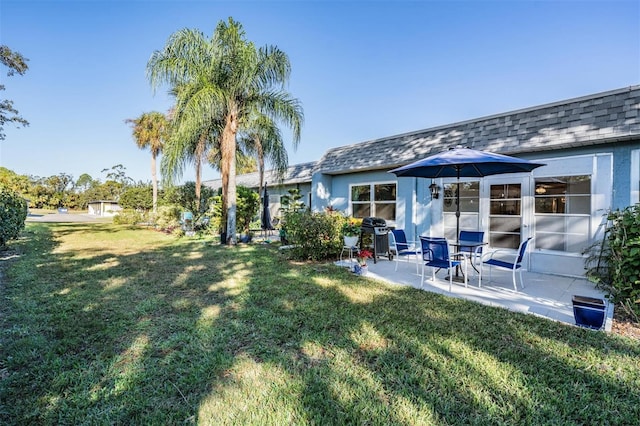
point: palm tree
(150, 130)
(188, 143)
(262, 138)
(222, 80)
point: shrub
(315, 236)
(137, 197)
(247, 207)
(616, 267)
(248, 204)
(128, 217)
(184, 196)
(13, 213)
(167, 218)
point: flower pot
(588, 311)
(360, 269)
(351, 241)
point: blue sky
(362, 69)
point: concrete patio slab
(544, 295)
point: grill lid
(373, 222)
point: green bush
(248, 204)
(137, 198)
(616, 268)
(167, 218)
(315, 236)
(128, 217)
(184, 196)
(13, 213)
(247, 207)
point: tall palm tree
(150, 130)
(222, 80)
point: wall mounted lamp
(435, 190)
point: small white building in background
(104, 208)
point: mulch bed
(624, 324)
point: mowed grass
(106, 324)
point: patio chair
(435, 253)
(474, 254)
(512, 261)
(401, 248)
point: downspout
(415, 209)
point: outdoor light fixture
(435, 190)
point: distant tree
(60, 182)
(137, 198)
(15, 63)
(151, 130)
(222, 80)
(109, 191)
(13, 181)
(84, 182)
(118, 174)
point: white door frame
(526, 202)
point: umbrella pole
(458, 205)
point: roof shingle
(589, 120)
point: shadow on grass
(189, 331)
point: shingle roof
(589, 120)
(299, 173)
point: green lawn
(105, 324)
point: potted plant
(350, 232)
(589, 312)
(361, 266)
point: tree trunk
(225, 198)
(199, 155)
(154, 182)
(228, 148)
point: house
(590, 147)
(296, 177)
(104, 208)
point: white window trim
(590, 215)
(372, 184)
(635, 176)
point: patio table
(463, 244)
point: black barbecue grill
(377, 227)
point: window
(375, 199)
(469, 197)
(505, 215)
(563, 213)
(469, 207)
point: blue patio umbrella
(464, 162)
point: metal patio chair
(436, 254)
(401, 248)
(506, 261)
